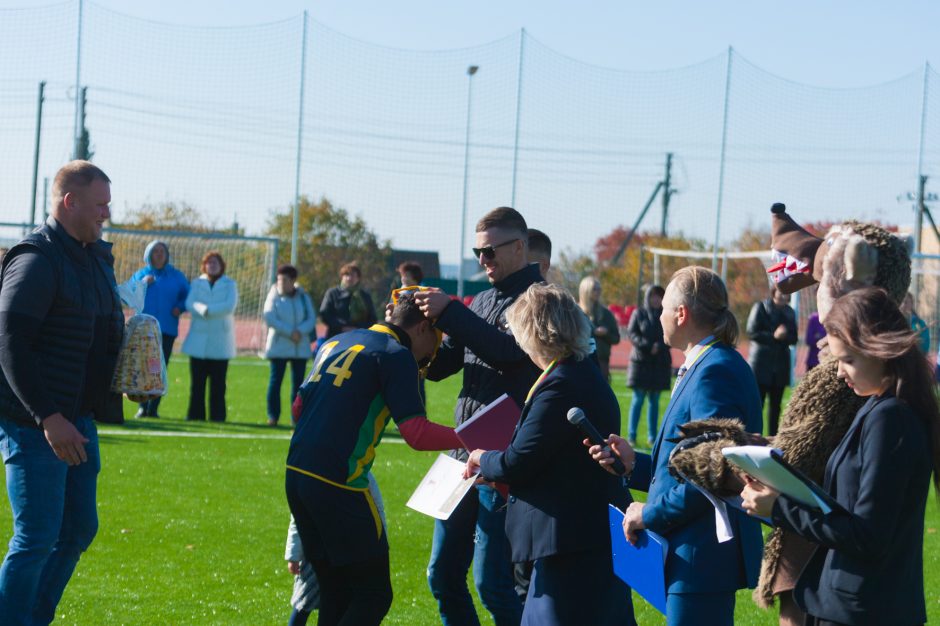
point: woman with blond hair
(557, 513)
(869, 566)
(604, 326)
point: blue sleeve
(717, 393)
(183, 291)
(139, 274)
(642, 472)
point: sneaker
(632, 442)
(272, 422)
(140, 413)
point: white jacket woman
(284, 314)
(212, 307)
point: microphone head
(576, 415)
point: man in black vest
(61, 327)
(480, 346)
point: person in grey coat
(771, 327)
(650, 370)
(290, 317)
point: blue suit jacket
(719, 384)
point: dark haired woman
(868, 568)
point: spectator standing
(815, 332)
(650, 369)
(61, 326)
(289, 316)
(478, 344)
(603, 325)
(348, 306)
(771, 327)
(210, 343)
(167, 289)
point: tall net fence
(235, 121)
(250, 262)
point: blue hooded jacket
(167, 291)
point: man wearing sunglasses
(479, 343)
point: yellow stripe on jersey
(326, 480)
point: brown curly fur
(705, 461)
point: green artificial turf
(193, 524)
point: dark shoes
(142, 412)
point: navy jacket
(558, 494)
(868, 568)
(719, 384)
(479, 343)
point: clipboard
(641, 566)
(769, 467)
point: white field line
(181, 433)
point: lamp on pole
(466, 170)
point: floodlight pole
(466, 170)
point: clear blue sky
(840, 43)
(182, 114)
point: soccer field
(193, 518)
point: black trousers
(773, 412)
(201, 370)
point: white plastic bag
(141, 370)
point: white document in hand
(442, 488)
(759, 463)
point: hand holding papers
(441, 489)
(444, 486)
(768, 466)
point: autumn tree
(328, 237)
(170, 216)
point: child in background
(306, 596)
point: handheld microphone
(577, 418)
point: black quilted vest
(68, 330)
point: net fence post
(300, 137)
(721, 163)
(515, 145)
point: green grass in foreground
(193, 527)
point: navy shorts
(336, 525)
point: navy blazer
(719, 384)
(558, 493)
(868, 568)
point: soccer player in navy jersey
(360, 380)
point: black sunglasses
(489, 252)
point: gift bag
(141, 370)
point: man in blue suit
(702, 574)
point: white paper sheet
(757, 462)
(442, 488)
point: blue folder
(642, 566)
